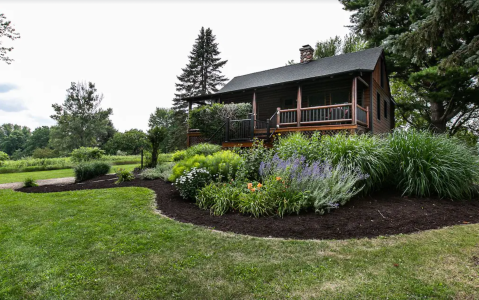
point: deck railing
(328, 114)
(362, 115)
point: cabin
(344, 93)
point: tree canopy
(81, 122)
(432, 52)
(13, 138)
(6, 30)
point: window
(378, 101)
(385, 108)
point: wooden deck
(196, 137)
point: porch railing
(328, 114)
(362, 115)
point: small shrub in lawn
(89, 170)
(179, 155)
(192, 181)
(202, 149)
(223, 164)
(428, 164)
(84, 154)
(123, 175)
(29, 182)
(3, 157)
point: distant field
(33, 165)
(19, 177)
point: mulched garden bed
(384, 213)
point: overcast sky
(133, 50)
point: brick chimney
(306, 53)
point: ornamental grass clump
(427, 164)
(85, 171)
(370, 154)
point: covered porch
(315, 105)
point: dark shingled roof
(358, 61)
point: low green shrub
(3, 157)
(202, 149)
(162, 171)
(428, 164)
(84, 154)
(45, 153)
(223, 164)
(179, 155)
(252, 158)
(123, 175)
(191, 182)
(296, 144)
(29, 182)
(89, 170)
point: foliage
(162, 171)
(156, 135)
(29, 182)
(427, 164)
(13, 137)
(44, 153)
(209, 118)
(222, 165)
(38, 140)
(192, 181)
(201, 76)
(131, 142)
(368, 153)
(295, 144)
(164, 117)
(6, 30)
(123, 175)
(252, 158)
(202, 149)
(89, 170)
(81, 122)
(328, 186)
(432, 48)
(335, 46)
(3, 157)
(179, 155)
(86, 154)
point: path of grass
(108, 244)
(19, 177)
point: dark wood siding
(382, 125)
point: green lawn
(19, 177)
(109, 244)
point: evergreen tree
(201, 76)
(432, 51)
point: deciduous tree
(6, 30)
(81, 122)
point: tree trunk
(438, 121)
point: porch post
(298, 107)
(354, 93)
(278, 117)
(254, 109)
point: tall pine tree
(201, 76)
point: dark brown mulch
(381, 214)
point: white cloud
(134, 51)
